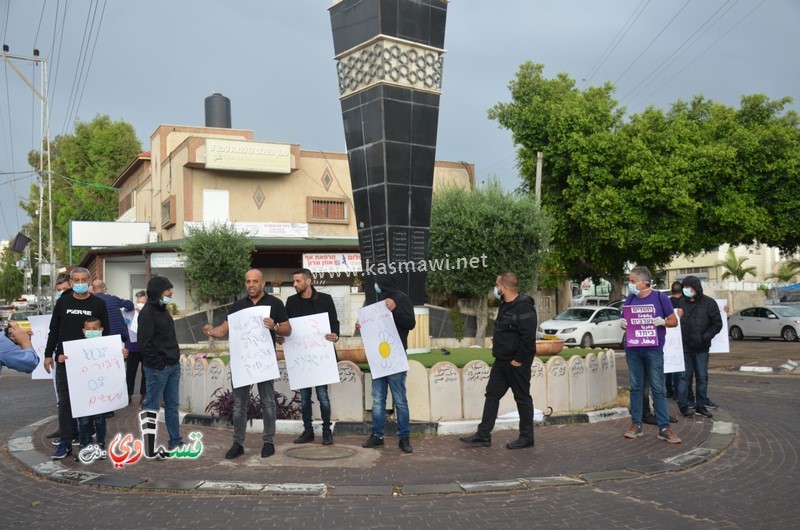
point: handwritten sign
(382, 344)
(640, 331)
(721, 342)
(310, 357)
(253, 357)
(96, 375)
(40, 326)
(673, 350)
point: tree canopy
(646, 188)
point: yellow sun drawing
(386, 345)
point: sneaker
(634, 431)
(54, 434)
(267, 450)
(476, 440)
(327, 438)
(64, 449)
(687, 412)
(235, 450)
(103, 452)
(306, 437)
(668, 436)
(711, 405)
(405, 445)
(702, 411)
(649, 419)
(373, 441)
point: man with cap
(161, 356)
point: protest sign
(253, 357)
(640, 331)
(382, 344)
(96, 375)
(721, 342)
(673, 350)
(310, 357)
(40, 326)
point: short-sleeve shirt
(663, 308)
(277, 311)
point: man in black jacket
(700, 322)
(514, 346)
(69, 314)
(402, 310)
(309, 301)
(161, 356)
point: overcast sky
(153, 62)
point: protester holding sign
(66, 324)
(648, 314)
(277, 321)
(309, 301)
(402, 310)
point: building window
(168, 212)
(327, 210)
(126, 200)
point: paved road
(753, 484)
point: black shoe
(649, 419)
(520, 443)
(688, 412)
(235, 450)
(109, 414)
(327, 438)
(405, 445)
(54, 434)
(673, 419)
(711, 405)
(306, 437)
(476, 440)
(373, 441)
(267, 450)
(702, 411)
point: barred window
(327, 210)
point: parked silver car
(584, 327)
(766, 322)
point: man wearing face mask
(513, 347)
(161, 356)
(134, 352)
(62, 286)
(700, 322)
(70, 312)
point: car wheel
(586, 341)
(789, 334)
(736, 333)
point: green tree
(786, 272)
(734, 266)
(217, 259)
(83, 165)
(11, 281)
(502, 231)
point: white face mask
(139, 306)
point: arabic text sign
(96, 374)
(673, 350)
(310, 357)
(640, 331)
(253, 356)
(40, 326)
(382, 344)
(721, 343)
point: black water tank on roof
(218, 111)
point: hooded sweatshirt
(701, 319)
(157, 340)
(403, 313)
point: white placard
(96, 375)
(253, 357)
(310, 357)
(382, 344)
(131, 319)
(673, 350)
(40, 326)
(721, 342)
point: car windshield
(576, 314)
(787, 311)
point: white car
(774, 321)
(584, 326)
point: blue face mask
(80, 288)
(92, 333)
(377, 288)
(58, 294)
(165, 300)
(496, 293)
(688, 293)
(632, 289)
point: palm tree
(734, 267)
(786, 272)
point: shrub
(221, 406)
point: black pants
(503, 376)
(65, 422)
(131, 366)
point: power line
(39, 27)
(91, 57)
(58, 54)
(79, 66)
(5, 20)
(11, 143)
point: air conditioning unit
(152, 237)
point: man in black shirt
(277, 321)
(513, 348)
(309, 301)
(69, 314)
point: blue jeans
(397, 384)
(324, 407)
(85, 424)
(696, 366)
(165, 383)
(651, 361)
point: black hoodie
(157, 340)
(701, 319)
(403, 313)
